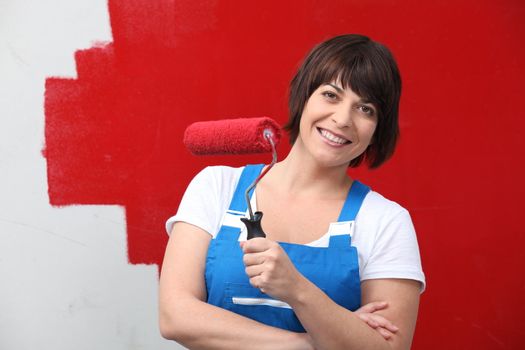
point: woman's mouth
(329, 136)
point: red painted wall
(114, 134)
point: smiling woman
(337, 123)
(339, 267)
(370, 71)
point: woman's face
(337, 125)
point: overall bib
(333, 269)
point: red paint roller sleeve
(231, 136)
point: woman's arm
(186, 317)
(333, 327)
(329, 325)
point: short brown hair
(369, 69)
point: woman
(305, 291)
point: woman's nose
(342, 119)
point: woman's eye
(330, 95)
(367, 110)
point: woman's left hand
(367, 314)
(269, 268)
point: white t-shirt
(383, 232)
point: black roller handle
(254, 226)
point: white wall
(65, 282)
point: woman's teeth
(329, 136)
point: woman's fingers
(253, 259)
(255, 251)
(372, 307)
(256, 245)
(384, 323)
(366, 317)
(254, 270)
(385, 333)
(378, 322)
(257, 282)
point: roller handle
(254, 226)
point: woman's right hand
(378, 322)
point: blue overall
(334, 269)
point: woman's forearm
(331, 326)
(198, 325)
(185, 317)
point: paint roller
(237, 136)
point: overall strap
(230, 228)
(351, 207)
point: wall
(66, 281)
(95, 98)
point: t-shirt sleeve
(395, 253)
(199, 205)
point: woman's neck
(300, 175)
